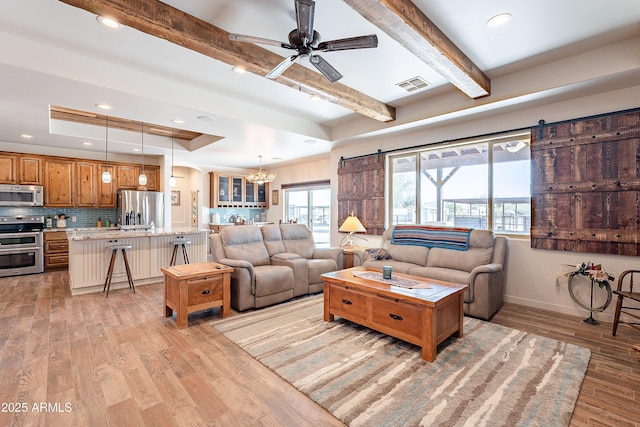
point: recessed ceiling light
(178, 121)
(315, 97)
(135, 149)
(499, 20)
(87, 143)
(108, 22)
(104, 106)
(26, 136)
(276, 158)
(238, 69)
(310, 141)
(205, 118)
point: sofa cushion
(448, 275)
(272, 239)
(398, 266)
(272, 279)
(480, 252)
(245, 242)
(297, 239)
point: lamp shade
(352, 225)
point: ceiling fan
(306, 41)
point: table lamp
(351, 225)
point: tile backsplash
(256, 214)
(85, 217)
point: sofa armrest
(243, 271)
(236, 263)
(489, 269)
(335, 254)
(360, 256)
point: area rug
(493, 376)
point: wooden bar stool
(176, 243)
(114, 254)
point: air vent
(413, 84)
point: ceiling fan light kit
(305, 40)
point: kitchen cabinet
(106, 192)
(127, 177)
(228, 191)
(86, 182)
(59, 179)
(152, 174)
(30, 170)
(56, 250)
(20, 169)
(8, 168)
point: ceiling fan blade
(260, 40)
(325, 68)
(282, 67)
(304, 17)
(361, 42)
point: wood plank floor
(91, 361)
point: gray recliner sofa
(272, 263)
(481, 267)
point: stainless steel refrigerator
(139, 209)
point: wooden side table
(348, 254)
(195, 287)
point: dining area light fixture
(261, 176)
(142, 179)
(106, 175)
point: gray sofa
(481, 267)
(272, 263)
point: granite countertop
(115, 233)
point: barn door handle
(346, 301)
(395, 316)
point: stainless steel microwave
(21, 195)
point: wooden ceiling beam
(405, 23)
(161, 20)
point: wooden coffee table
(424, 311)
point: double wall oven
(21, 246)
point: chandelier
(261, 176)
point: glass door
(312, 207)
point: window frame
(491, 142)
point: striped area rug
(493, 376)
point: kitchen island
(150, 251)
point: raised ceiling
(52, 53)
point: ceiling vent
(413, 84)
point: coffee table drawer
(397, 315)
(348, 302)
(202, 291)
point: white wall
(316, 170)
(531, 273)
(187, 180)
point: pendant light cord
(106, 146)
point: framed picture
(175, 198)
(274, 197)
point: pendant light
(142, 179)
(172, 180)
(106, 175)
(261, 176)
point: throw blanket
(432, 237)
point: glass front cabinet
(229, 191)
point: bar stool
(176, 243)
(114, 254)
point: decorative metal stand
(607, 288)
(590, 320)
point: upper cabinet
(229, 191)
(20, 169)
(127, 177)
(106, 192)
(86, 173)
(30, 170)
(8, 168)
(59, 179)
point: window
(480, 184)
(310, 206)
